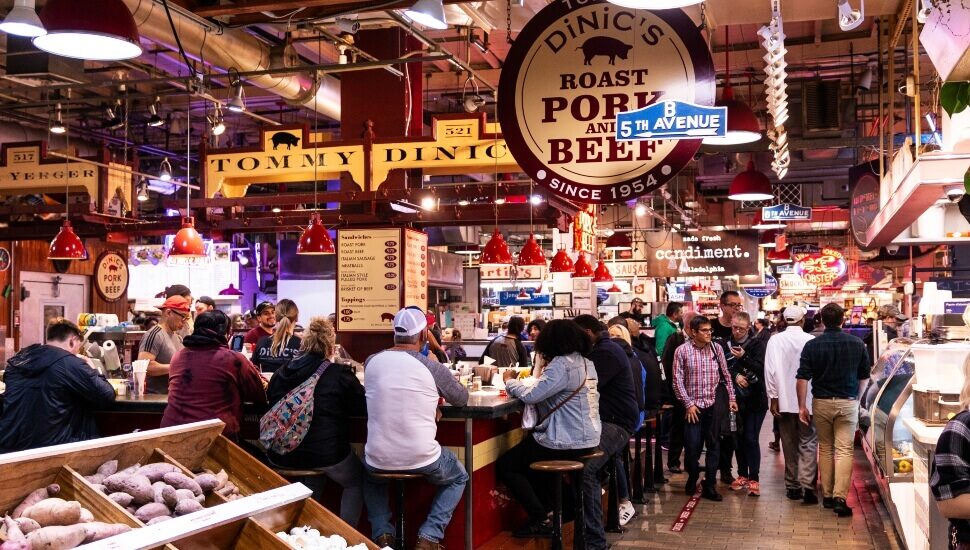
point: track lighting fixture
(57, 127)
(849, 18)
(112, 117)
(926, 8)
(237, 102)
(154, 120)
(429, 13)
(165, 170)
(217, 122)
(143, 191)
(22, 20)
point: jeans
(533, 490)
(349, 474)
(799, 444)
(446, 472)
(697, 434)
(676, 445)
(729, 445)
(613, 440)
(836, 421)
(749, 443)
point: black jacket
(266, 361)
(653, 397)
(50, 399)
(676, 340)
(635, 370)
(337, 397)
(618, 398)
(753, 360)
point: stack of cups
(140, 370)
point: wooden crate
(269, 502)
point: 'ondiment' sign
(702, 253)
(821, 269)
(574, 68)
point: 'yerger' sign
(575, 67)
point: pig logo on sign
(283, 138)
(604, 45)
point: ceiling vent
(28, 66)
(820, 106)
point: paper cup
(140, 365)
(140, 383)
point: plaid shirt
(697, 372)
(951, 469)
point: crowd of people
(711, 383)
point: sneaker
(425, 544)
(810, 497)
(754, 489)
(740, 483)
(385, 541)
(841, 509)
(828, 502)
(794, 494)
(710, 493)
(534, 530)
(627, 512)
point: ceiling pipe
(227, 48)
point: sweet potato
(156, 470)
(95, 479)
(86, 515)
(100, 488)
(208, 482)
(16, 545)
(170, 497)
(182, 481)
(97, 530)
(229, 489)
(151, 510)
(123, 499)
(108, 468)
(13, 529)
(182, 494)
(136, 485)
(158, 519)
(57, 537)
(33, 498)
(54, 511)
(130, 469)
(27, 525)
(187, 507)
(223, 478)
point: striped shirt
(697, 372)
(951, 469)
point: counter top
(927, 435)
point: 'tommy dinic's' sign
(574, 68)
(786, 212)
(672, 120)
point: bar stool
(398, 479)
(579, 530)
(613, 498)
(559, 468)
(297, 475)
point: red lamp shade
(101, 30)
(602, 273)
(619, 241)
(768, 239)
(67, 245)
(614, 290)
(750, 185)
(531, 253)
(188, 242)
(496, 251)
(561, 262)
(779, 257)
(315, 239)
(523, 295)
(583, 269)
(742, 124)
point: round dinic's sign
(575, 66)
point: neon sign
(584, 230)
(821, 269)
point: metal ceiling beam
(259, 6)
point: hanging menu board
(416, 269)
(368, 279)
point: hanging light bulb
(237, 103)
(165, 170)
(58, 126)
(22, 20)
(99, 30)
(531, 253)
(602, 273)
(143, 191)
(561, 262)
(216, 121)
(496, 251)
(315, 239)
(582, 269)
(154, 120)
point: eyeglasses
(737, 305)
(740, 329)
(705, 330)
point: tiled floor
(770, 521)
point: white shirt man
(799, 442)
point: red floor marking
(685, 513)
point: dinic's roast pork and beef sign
(574, 68)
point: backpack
(285, 424)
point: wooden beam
(257, 6)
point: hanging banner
(584, 230)
(700, 253)
(573, 69)
(786, 213)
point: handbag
(530, 420)
(285, 424)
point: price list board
(416, 269)
(369, 278)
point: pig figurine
(283, 138)
(604, 45)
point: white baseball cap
(794, 314)
(410, 321)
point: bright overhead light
(428, 203)
(22, 20)
(218, 124)
(654, 4)
(463, 202)
(112, 117)
(429, 13)
(640, 210)
(499, 200)
(154, 120)
(237, 103)
(849, 18)
(143, 191)
(165, 171)
(276, 209)
(98, 30)
(58, 126)
(535, 200)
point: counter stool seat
(561, 468)
(293, 473)
(399, 479)
(595, 453)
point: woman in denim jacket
(567, 420)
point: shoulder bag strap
(719, 356)
(571, 395)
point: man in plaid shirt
(699, 366)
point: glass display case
(886, 402)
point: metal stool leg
(658, 464)
(579, 525)
(613, 505)
(637, 495)
(557, 515)
(399, 535)
(648, 432)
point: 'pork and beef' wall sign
(578, 64)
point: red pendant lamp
(99, 30)
(531, 253)
(582, 269)
(602, 273)
(315, 239)
(523, 295)
(561, 262)
(67, 245)
(496, 251)
(188, 242)
(779, 257)
(750, 185)
(618, 241)
(742, 124)
(614, 290)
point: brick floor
(740, 522)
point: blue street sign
(672, 120)
(511, 298)
(786, 213)
(763, 291)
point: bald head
(688, 315)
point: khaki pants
(836, 421)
